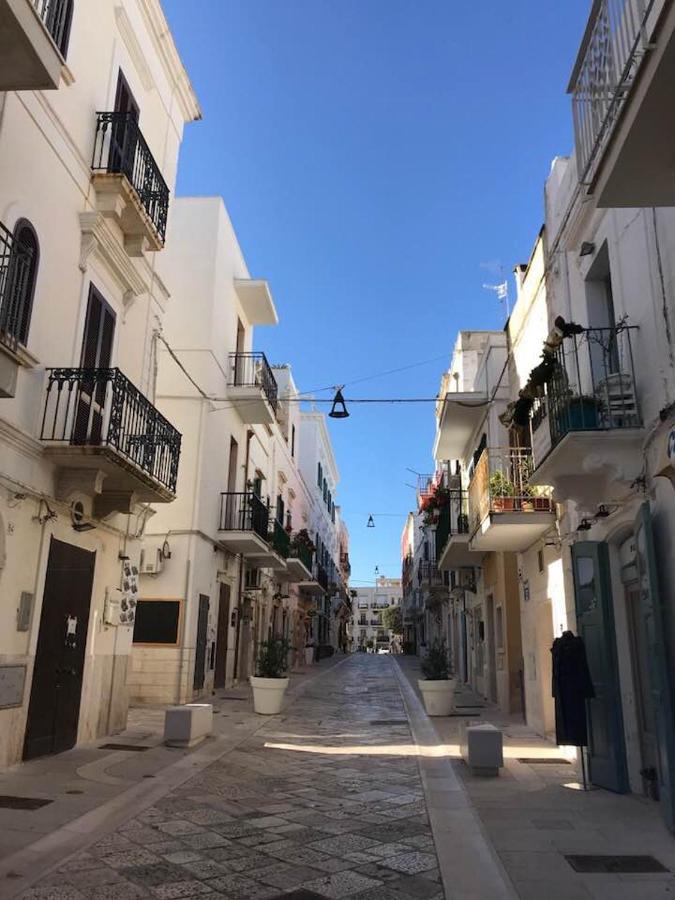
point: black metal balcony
(15, 271)
(592, 387)
(56, 16)
(101, 408)
(244, 512)
(322, 576)
(453, 518)
(429, 574)
(121, 149)
(253, 370)
(304, 554)
(280, 539)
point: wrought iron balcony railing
(56, 15)
(453, 518)
(280, 539)
(501, 483)
(102, 408)
(244, 512)
(429, 574)
(609, 59)
(593, 386)
(304, 554)
(253, 370)
(15, 269)
(121, 149)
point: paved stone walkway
(324, 801)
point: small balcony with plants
(300, 557)
(587, 428)
(105, 437)
(33, 43)
(129, 185)
(253, 388)
(506, 511)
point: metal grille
(609, 59)
(120, 148)
(101, 407)
(623, 864)
(56, 15)
(15, 278)
(253, 370)
(244, 512)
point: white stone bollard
(482, 748)
(185, 726)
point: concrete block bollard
(482, 748)
(185, 726)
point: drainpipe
(249, 436)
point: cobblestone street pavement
(325, 801)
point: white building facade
(369, 631)
(84, 201)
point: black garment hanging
(572, 686)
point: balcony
(312, 585)
(452, 534)
(33, 43)
(253, 388)
(429, 575)
(624, 118)
(299, 563)
(592, 419)
(105, 436)
(457, 417)
(130, 189)
(506, 512)
(322, 577)
(376, 623)
(15, 270)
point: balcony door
(124, 133)
(97, 346)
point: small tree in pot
(270, 681)
(438, 686)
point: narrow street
(326, 798)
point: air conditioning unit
(152, 561)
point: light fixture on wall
(339, 407)
(602, 512)
(584, 525)
(587, 248)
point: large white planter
(438, 696)
(268, 694)
(309, 656)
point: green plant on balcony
(502, 491)
(302, 540)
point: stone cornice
(97, 237)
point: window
(319, 478)
(58, 17)
(540, 560)
(22, 278)
(157, 622)
(292, 440)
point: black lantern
(371, 522)
(339, 408)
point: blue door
(651, 607)
(595, 623)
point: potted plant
(438, 686)
(369, 646)
(462, 523)
(501, 492)
(270, 681)
(309, 653)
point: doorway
(56, 690)
(200, 649)
(97, 347)
(222, 635)
(124, 136)
(491, 650)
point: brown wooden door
(97, 346)
(54, 709)
(222, 633)
(124, 137)
(200, 650)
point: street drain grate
(22, 802)
(388, 722)
(130, 747)
(464, 715)
(622, 865)
(545, 760)
(299, 895)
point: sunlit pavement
(326, 799)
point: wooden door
(595, 620)
(222, 633)
(97, 346)
(124, 135)
(54, 708)
(200, 648)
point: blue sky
(374, 156)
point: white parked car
(383, 650)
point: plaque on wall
(12, 679)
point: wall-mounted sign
(12, 679)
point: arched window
(24, 276)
